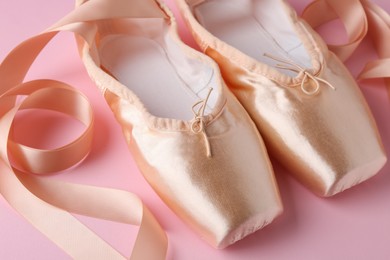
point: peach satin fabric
(47, 204)
(360, 18)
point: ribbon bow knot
(317, 80)
(307, 76)
(198, 123)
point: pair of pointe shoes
(196, 129)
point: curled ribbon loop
(198, 124)
(39, 94)
(307, 76)
(360, 18)
(48, 204)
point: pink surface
(352, 225)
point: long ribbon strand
(361, 18)
(48, 204)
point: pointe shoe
(306, 105)
(190, 137)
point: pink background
(352, 225)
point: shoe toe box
(224, 197)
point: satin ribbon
(361, 18)
(48, 204)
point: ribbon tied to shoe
(307, 76)
(198, 124)
(360, 18)
(48, 204)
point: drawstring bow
(307, 76)
(198, 123)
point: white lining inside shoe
(149, 62)
(255, 27)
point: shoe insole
(255, 28)
(143, 65)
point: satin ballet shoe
(306, 105)
(190, 137)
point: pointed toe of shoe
(357, 174)
(224, 197)
(243, 228)
(330, 141)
